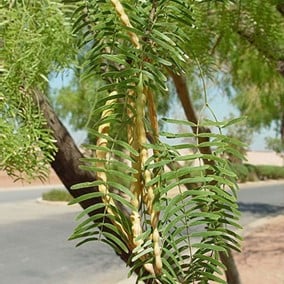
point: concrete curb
(260, 183)
(56, 203)
(40, 200)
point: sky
(222, 108)
(219, 103)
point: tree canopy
(36, 39)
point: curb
(56, 203)
(260, 183)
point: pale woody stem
(101, 154)
(143, 176)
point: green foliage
(270, 172)
(57, 195)
(26, 152)
(238, 44)
(248, 172)
(252, 48)
(76, 104)
(245, 172)
(35, 40)
(171, 234)
(275, 144)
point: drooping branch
(68, 160)
(137, 139)
(275, 56)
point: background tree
(35, 39)
(249, 46)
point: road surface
(260, 200)
(35, 250)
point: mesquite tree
(170, 226)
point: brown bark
(232, 274)
(282, 129)
(280, 8)
(67, 160)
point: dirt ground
(262, 257)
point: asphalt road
(34, 246)
(261, 200)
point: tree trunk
(282, 129)
(231, 272)
(68, 157)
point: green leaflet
(90, 209)
(216, 262)
(174, 222)
(86, 196)
(206, 234)
(210, 276)
(234, 121)
(120, 59)
(172, 260)
(122, 200)
(115, 242)
(177, 121)
(170, 272)
(208, 247)
(121, 187)
(119, 174)
(177, 135)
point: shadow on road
(260, 208)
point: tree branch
(231, 272)
(183, 94)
